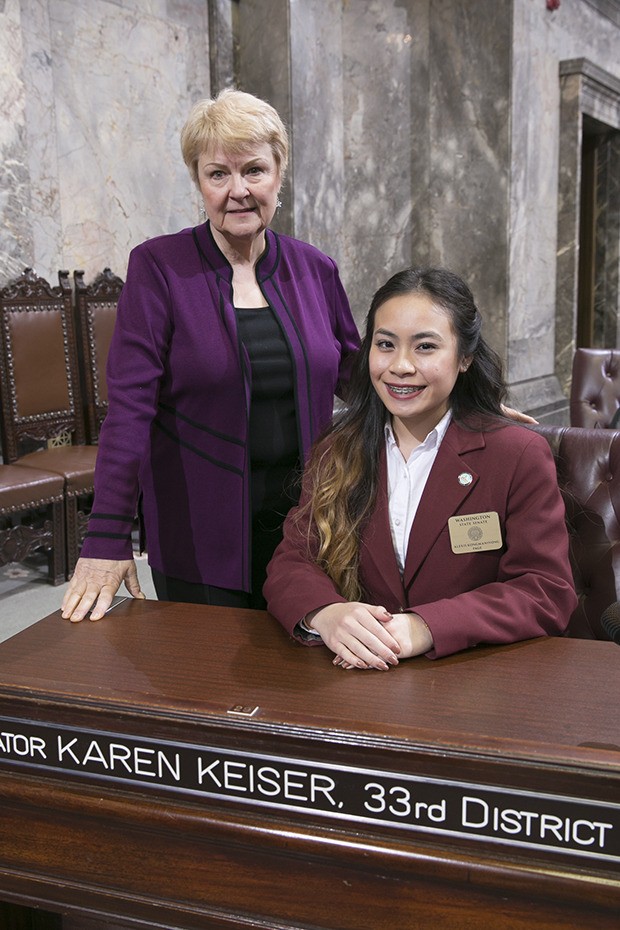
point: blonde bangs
(234, 122)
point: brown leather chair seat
(24, 492)
(76, 463)
(21, 487)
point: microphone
(610, 621)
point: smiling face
(413, 364)
(240, 191)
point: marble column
(16, 242)
(264, 69)
(221, 44)
(585, 90)
(469, 126)
(399, 115)
(339, 74)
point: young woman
(428, 523)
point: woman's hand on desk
(96, 581)
(357, 633)
(409, 631)
(412, 634)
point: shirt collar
(433, 440)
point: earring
(278, 203)
(203, 214)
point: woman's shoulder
(165, 244)
(303, 251)
(169, 255)
(506, 436)
(520, 441)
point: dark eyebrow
(428, 335)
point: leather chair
(96, 316)
(32, 517)
(588, 468)
(41, 422)
(595, 388)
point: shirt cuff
(303, 630)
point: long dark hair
(344, 465)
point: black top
(275, 470)
(273, 423)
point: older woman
(229, 346)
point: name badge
(475, 532)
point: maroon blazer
(521, 590)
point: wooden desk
(478, 791)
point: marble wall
(423, 131)
(447, 151)
(400, 147)
(97, 93)
(589, 100)
(607, 285)
(546, 115)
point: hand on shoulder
(518, 416)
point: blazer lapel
(450, 482)
(378, 556)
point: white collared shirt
(406, 482)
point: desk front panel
(195, 764)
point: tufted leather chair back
(96, 316)
(588, 467)
(595, 387)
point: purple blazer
(521, 590)
(179, 388)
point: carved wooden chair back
(39, 374)
(96, 316)
(42, 416)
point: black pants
(277, 488)
(267, 533)
(188, 592)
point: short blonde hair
(233, 121)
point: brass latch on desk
(239, 710)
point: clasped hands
(366, 636)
